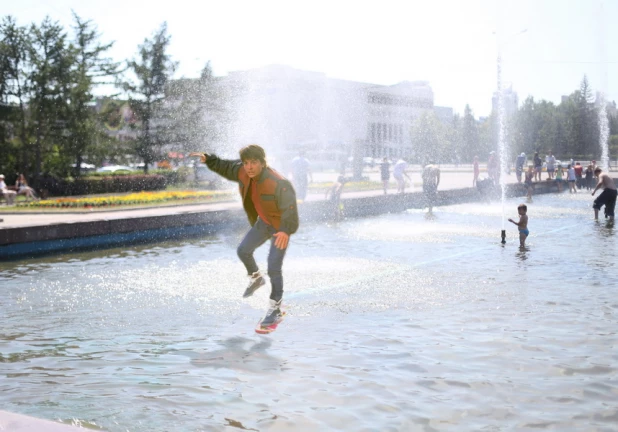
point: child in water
(522, 225)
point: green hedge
(102, 185)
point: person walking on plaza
(385, 174)
(9, 195)
(431, 180)
(399, 170)
(269, 201)
(301, 175)
(477, 171)
(607, 197)
(538, 166)
(519, 166)
(550, 160)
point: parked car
(115, 169)
(204, 174)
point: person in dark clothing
(588, 174)
(385, 173)
(538, 166)
(607, 197)
(269, 201)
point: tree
(195, 113)
(91, 68)
(588, 120)
(153, 70)
(15, 90)
(428, 138)
(469, 135)
(51, 60)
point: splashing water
(604, 135)
(502, 147)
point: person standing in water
(607, 197)
(269, 201)
(522, 224)
(431, 180)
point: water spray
(502, 148)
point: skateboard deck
(259, 329)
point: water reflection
(237, 353)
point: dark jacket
(277, 196)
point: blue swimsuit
(524, 231)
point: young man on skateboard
(270, 203)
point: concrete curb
(11, 422)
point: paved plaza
(451, 178)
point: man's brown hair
(253, 152)
(523, 206)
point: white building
(510, 101)
(286, 109)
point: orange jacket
(277, 196)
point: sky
(547, 46)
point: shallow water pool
(398, 322)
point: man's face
(253, 167)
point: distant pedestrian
(607, 197)
(595, 180)
(333, 196)
(23, 189)
(477, 171)
(9, 195)
(385, 174)
(493, 167)
(399, 171)
(559, 177)
(538, 166)
(588, 177)
(431, 181)
(301, 175)
(519, 166)
(550, 160)
(571, 179)
(579, 171)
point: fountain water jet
(502, 148)
(603, 134)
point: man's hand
(281, 240)
(202, 156)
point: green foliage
(152, 71)
(570, 129)
(470, 141)
(430, 139)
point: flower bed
(130, 199)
